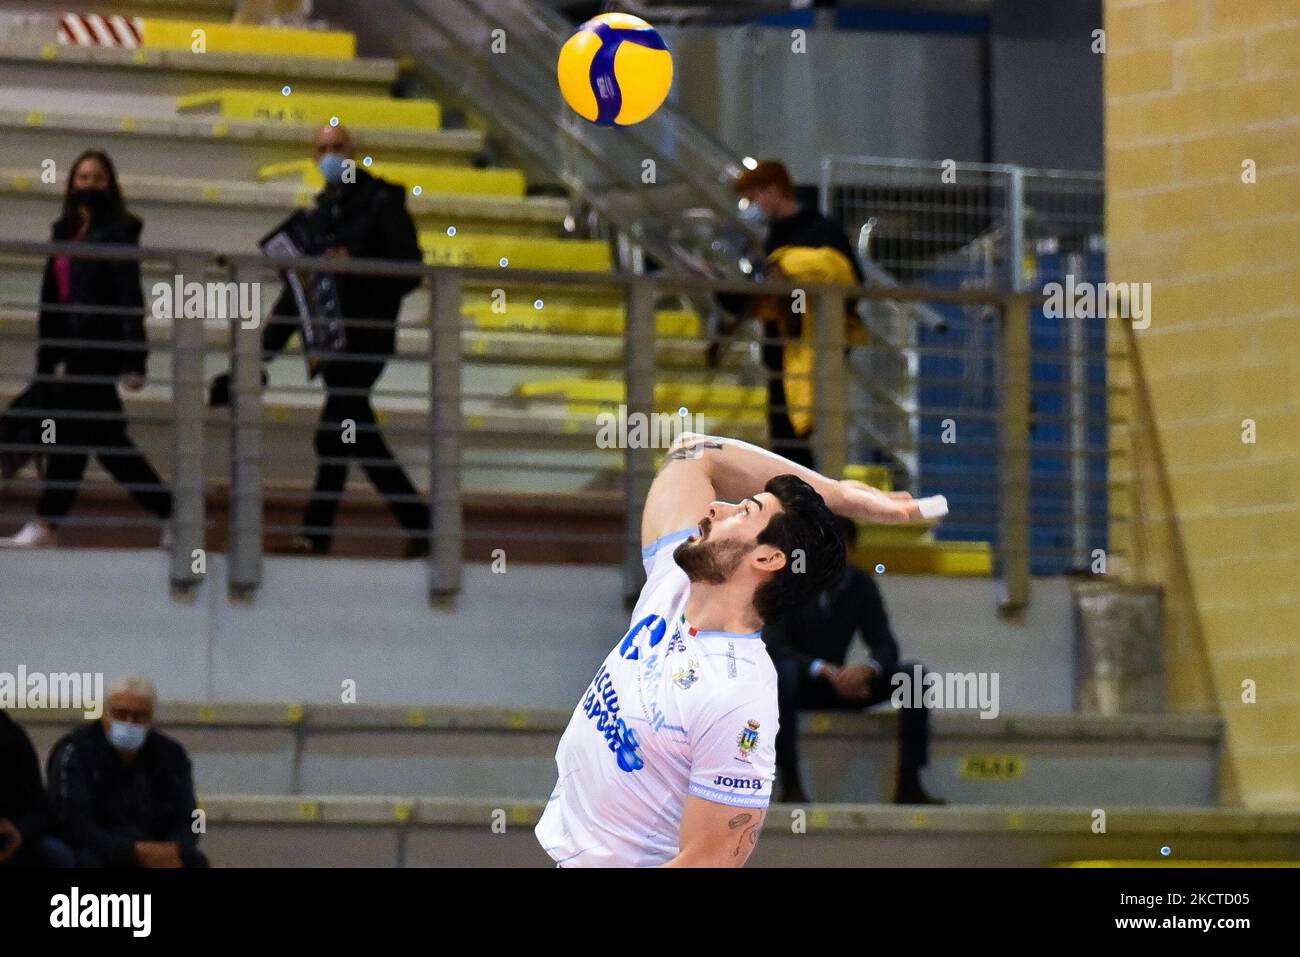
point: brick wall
(1193, 88)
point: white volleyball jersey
(671, 711)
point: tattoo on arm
(692, 451)
(751, 833)
(738, 820)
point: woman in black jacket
(91, 325)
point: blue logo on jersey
(601, 703)
(652, 625)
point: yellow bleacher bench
(574, 319)
(363, 112)
(432, 180)
(875, 475)
(923, 557)
(519, 252)
(237, 38)
(717, 402)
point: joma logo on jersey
(753, 784)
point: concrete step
(147, 82)
(328, 831)
(214, 10)
(311, 623)
(422, 177)
(352, 110)
(1012, 760)
(220, 150)
(484, 340)
(231, 216)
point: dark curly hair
(808, 533)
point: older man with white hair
(122, 791)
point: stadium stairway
(211, 153)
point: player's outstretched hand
(869, 504)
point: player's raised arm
(701, 469)
(717, 835)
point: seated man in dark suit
(25, 838)
(122, 791)
(809, 647)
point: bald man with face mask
(356, 216)
(122, 791)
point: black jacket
(824, 627)
(104, 805)
(807, 227)
(22, 795)
(370, 220)
(114, 284)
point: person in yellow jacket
(791, 411)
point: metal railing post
(245, 548)
(1077, 364)
(830, 385)
(824, 183)
(1015, 214)
(446, 532)
(188, 393)
(638, 458)
(1013, 426)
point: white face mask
(126, 736)
(753, 213)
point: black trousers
(90, 417)
(798, 691)
(348, 397)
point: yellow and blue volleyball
(616, 70)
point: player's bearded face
(706, 560)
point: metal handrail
(444, 423)
(448, 40)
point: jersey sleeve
(664, 578)
(733, 759)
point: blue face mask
(331, 167)
(125, 736)
(753, 213)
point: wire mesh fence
(950, 225)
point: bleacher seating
(289, 783)
(212, 154)
(224, 120)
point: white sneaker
(31, 535)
